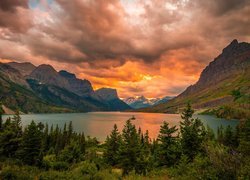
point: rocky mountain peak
(107, 94)
(46, 68)
(24, 68)
(67, 74)
(233, 60)
(78, 86)
(47, 74)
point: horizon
(141, 48)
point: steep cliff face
(80, 87)
(110, 98)
(107, 94)
(233, 60)
(229, 71)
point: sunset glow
(153, 48)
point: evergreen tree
(210, 134)
(192, 133)
(31, 145)
(71, 153)
(16, 124)
(229, 137)
(168, 152)
(187, 114)
(144, 159)
(70, 130)
(82, 143)
(10, 136)
(244, 146)
(65, 139)
(1, 119)
(45, 140)
(130, 148)
(113, 143)
(220, 134)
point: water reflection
(99, 124)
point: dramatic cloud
(140, 47)
(14, 15)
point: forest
(190, 151)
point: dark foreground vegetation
(193, 152)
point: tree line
(191, 149)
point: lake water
(99, 124)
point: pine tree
(168, 152)
(113, 143)
(210, 134)
(229, 137)
(244, 146)
(220, 134)
(82, 143)
(31, 145)
(65, 139)
(192, 133)
(45, 140)
(144, 159)
(1, 119)
(130, 148)
(11, 135)
(187, 114)
(16, 123)
(70, 130)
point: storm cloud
(156, 47)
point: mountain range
(42, 89)
(225, 82)
(138, 102)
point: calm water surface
(99, 124)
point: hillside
(42, 89)
(16, 96)
(224, 82)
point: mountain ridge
(228, 72)
(138, 102)
(61, 90)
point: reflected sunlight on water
(99, 124)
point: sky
(153, 48)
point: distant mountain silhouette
(138, 102)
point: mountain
(46, 74)
(80, 87)
(61, 97)
(43, 89)
(12, 74)
(224, 82)
(110, 97)
(15, 95)
(138, 102)
(24, 68)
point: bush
(8, 174)
(60, 166)
(15, 172)
(88, 168)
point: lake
(99, 124)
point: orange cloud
(152, 48)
